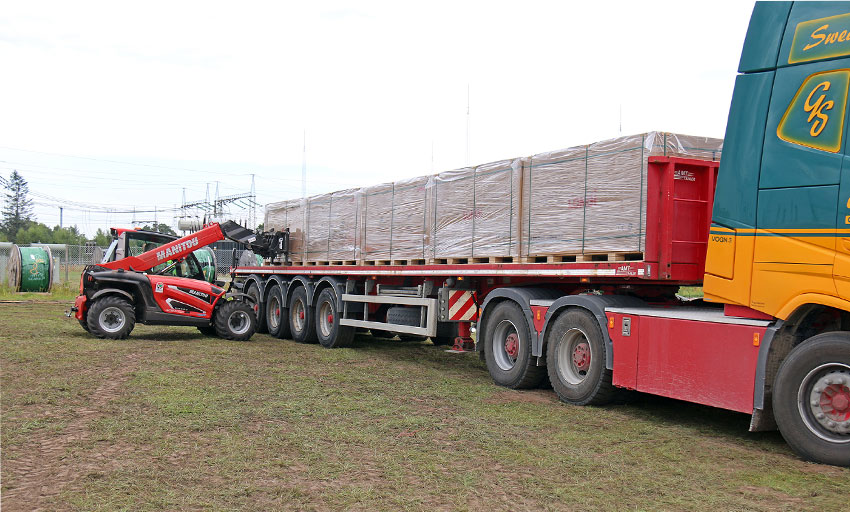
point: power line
(117, 161)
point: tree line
(19, 225)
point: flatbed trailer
(590, 311)
(767, 237)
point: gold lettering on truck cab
(817, 109)
(822, 38)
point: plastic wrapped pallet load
(476, 212)
(317, 233)
(395, 221)
(289, 214)
(343, 242)
(591, 200)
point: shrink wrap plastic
(289, 214)
(395, 219)
(317, 233)
(592, 199)
(343, 232)
(476, 211)
(580, 200)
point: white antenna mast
(467, 124)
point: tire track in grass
(43, 469)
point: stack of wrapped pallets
(575, 204)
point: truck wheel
(508, 349)
(84, 324)
(328, 330)
(253, 291)
(811, 399)
(412, 337)
(111, 317)
(301, 323)
(276, 316)
(235, 320)
(575, 359)
(441, 341)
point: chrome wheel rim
(112, 319)
(823, 401)
(274, 312)
(238, 322)
(506, 345)
(298, 315)
(326, 319)
(574, 356)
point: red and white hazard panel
(462, 306)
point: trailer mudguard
(275, 280)
(306, 283)
(523, 298)
(596, 305)
(337, 283)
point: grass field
(172, 420)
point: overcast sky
(123, 106)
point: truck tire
(253, 291)
(811, 399)
(277, 319)
(235, 320)
(302, 326)
(328, 330)
(442, 341)
(575, 359)
(508, 349)
(111, 317)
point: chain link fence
(68, 260)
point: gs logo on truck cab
(815, 117)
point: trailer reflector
(462, 306)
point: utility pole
(215, 206)
(252, 213)
(60, 216)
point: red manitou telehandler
(153, 278)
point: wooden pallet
(346, 263)
(449, 261)
(376, 263)
(585, 258)
(409, 262)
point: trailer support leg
(464, 341)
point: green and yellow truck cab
(779, 241)
(780, 234)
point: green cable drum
(206, 257)
(29, 269)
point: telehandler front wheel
(235, 320)
(111, 317)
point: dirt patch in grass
(43, 468)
